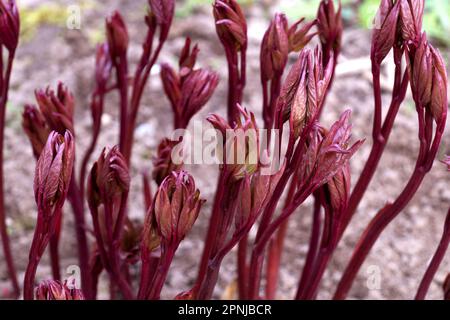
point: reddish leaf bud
(53, 172)
(231, 25)
(196, 90)
(35, 127)
(241, 145)
(188, 58)
(107, 191)
(117, 35)
(421, 65)
(103, 66)
(177, 205)
(439, 102)
(57, 108)
(304, 89)
(163, 11)
(171, 84)
(428, 78)
(411, 16)
(150, 235)
(329, 25)
(162, 162)
(244, 209)
(189, 90)
(109, 177)
(9, 24)
(335, 150)
(385, 30)
(328, 152)
(298, 35)
(274, 48)
(131, 240)
(339, 189)
(255, 192)
(55, 290)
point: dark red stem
(149, 267)
(122, 82)
(263, 239)
(380, 133)
(435, 262)
(374, 230)
(54, 254)
(40, 241)
(28, 282)
(161, 273)
(427, 153)
(313, 251)
(74, 196)
(213, 228)
(276, 247)
(3, 228)
(242, 268)
(90, 150)
(141, 78)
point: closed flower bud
(329, 25)
(240, 149)
(385, 30)
(117, 35)
(299, 36)
(177, 205)
(162, 162)
(231, 25)
(53, 172)
(57, 108)
(411, 16)
(55, 290)
(35, 127)
(274, 48)
(9, 25)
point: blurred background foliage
(357, 12)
